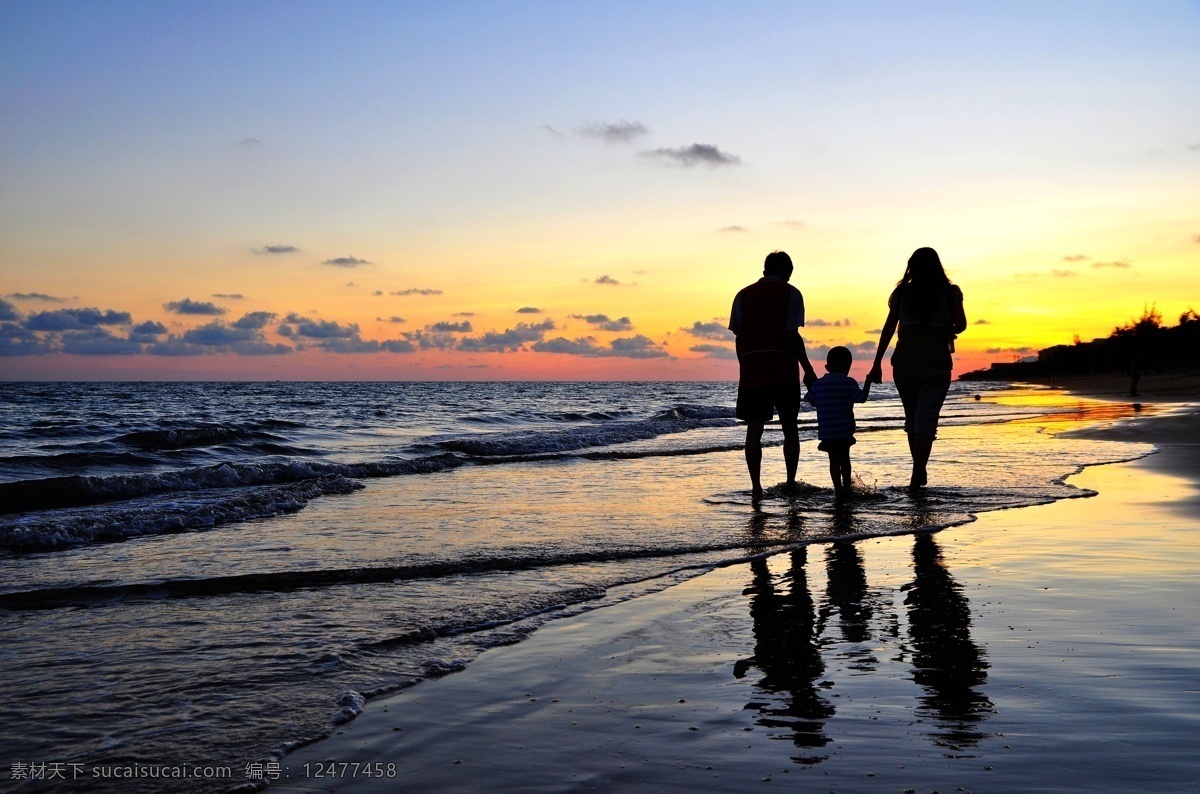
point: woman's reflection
(786, 653)
(946, 662)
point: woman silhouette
(928, 310)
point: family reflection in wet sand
(792, 634)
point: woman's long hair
(924, 283)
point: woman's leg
(922, 392)
(919, 445)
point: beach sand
(1052, 648)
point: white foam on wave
(151, 516)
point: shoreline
(647, 694)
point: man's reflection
(786, 653)
(946, 663)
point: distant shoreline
(1175, 385)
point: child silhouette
(834, 396)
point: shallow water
(207, 573)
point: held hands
(810, 377)
(875, 375)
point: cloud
(733, 229)
(438, 340)
(148, 328)
(276, 249)
(98, 341)
(349, 344)
(257, 347)
(236, 296)
(75, 319)
(623, 347)
(551, 130)
(1062, 273)
(983, 322)
(715, 351)
(819, 323)
(1195, 147)
(254, 320)
(696, 154)
(448, 327)
(709, 331)
(1120, 265)
(174, 346)
(416, 291)
(511, 340)
(861, 350)
(529, 310)
(792, 224)
(250, 143)
(377, 293)
(324, 329)
(218, 334)
(392, 319)
(15, 340)
(606, 279)
(1022, 351)
(36, 296)
(397, 346)
(612, 132)
(8, 311)
(1076, 258)
(189, 306)
(604, 323)
(463, 314)
(346, 261)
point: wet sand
(1053, 648)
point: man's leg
(791, 447)
(754, 431)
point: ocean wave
(78, 490)
(186, 437)
(205, 510)
(599, 435)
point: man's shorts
(836, 444)
(759, 403)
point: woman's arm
(885, 339)
(958, 316)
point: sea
(206, 576)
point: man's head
(839, 360)
(779, 264)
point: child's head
(839, 360)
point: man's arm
(810, 377)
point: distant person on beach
(766, 318)
(834, 396)
(928, 311)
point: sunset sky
(487, 190)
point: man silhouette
(766, 318)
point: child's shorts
(836, 444)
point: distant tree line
(1144, 344)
